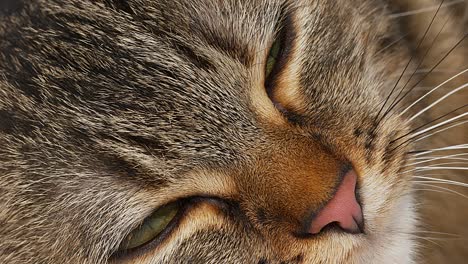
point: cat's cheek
(396, 243)
(390, 220)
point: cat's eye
(277, 55)
(151, 227)
(272, 58)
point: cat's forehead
(331, 43)
(244, 29)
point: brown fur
(111, 109)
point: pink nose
(343, 209)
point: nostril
(342, 210)
(332, 225)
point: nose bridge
(292, 182)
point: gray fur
(105, 105)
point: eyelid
(151, 227)
(272, 56)
(187, 205)
(131, 254)
(285, 35)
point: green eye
(151, 227)
(272, 57)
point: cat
(229, 131)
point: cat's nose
(342, 209)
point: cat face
(121, 113)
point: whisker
(428, 240)
(431, 179)
(419, 65)
(406, 67)
(432, 190)
(442, 157)
(464, 159)
(428, 93)
(427, 74)
(443, 176)
(428, 151)
(423, 234)
(426, 89)
(424, 10)
(438, 101)
(414, 136)
(459, 161)
(391, 44)
(430, 122)
(441, 130)
(442, 188)
(447, 163)
(423, 71)
(440, 124)
(426, 70)
(429, 168)
(445, 238)
(438, 233)
(435, 182)
(433, 158)
(439, 165)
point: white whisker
(438, 101)
(435, 232)
(442, 188)
(428, 240)
(432, 190)
(433, 158)
(441, 130)
(445, 238)
(446, 163)
(435, 182)
(460, 161)
(426, 9)
(442, 181)
(440, 124)
(453, 147)
(435, 175)
(437, 87)
(458, 158)
(426, 168)
(433, 167)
